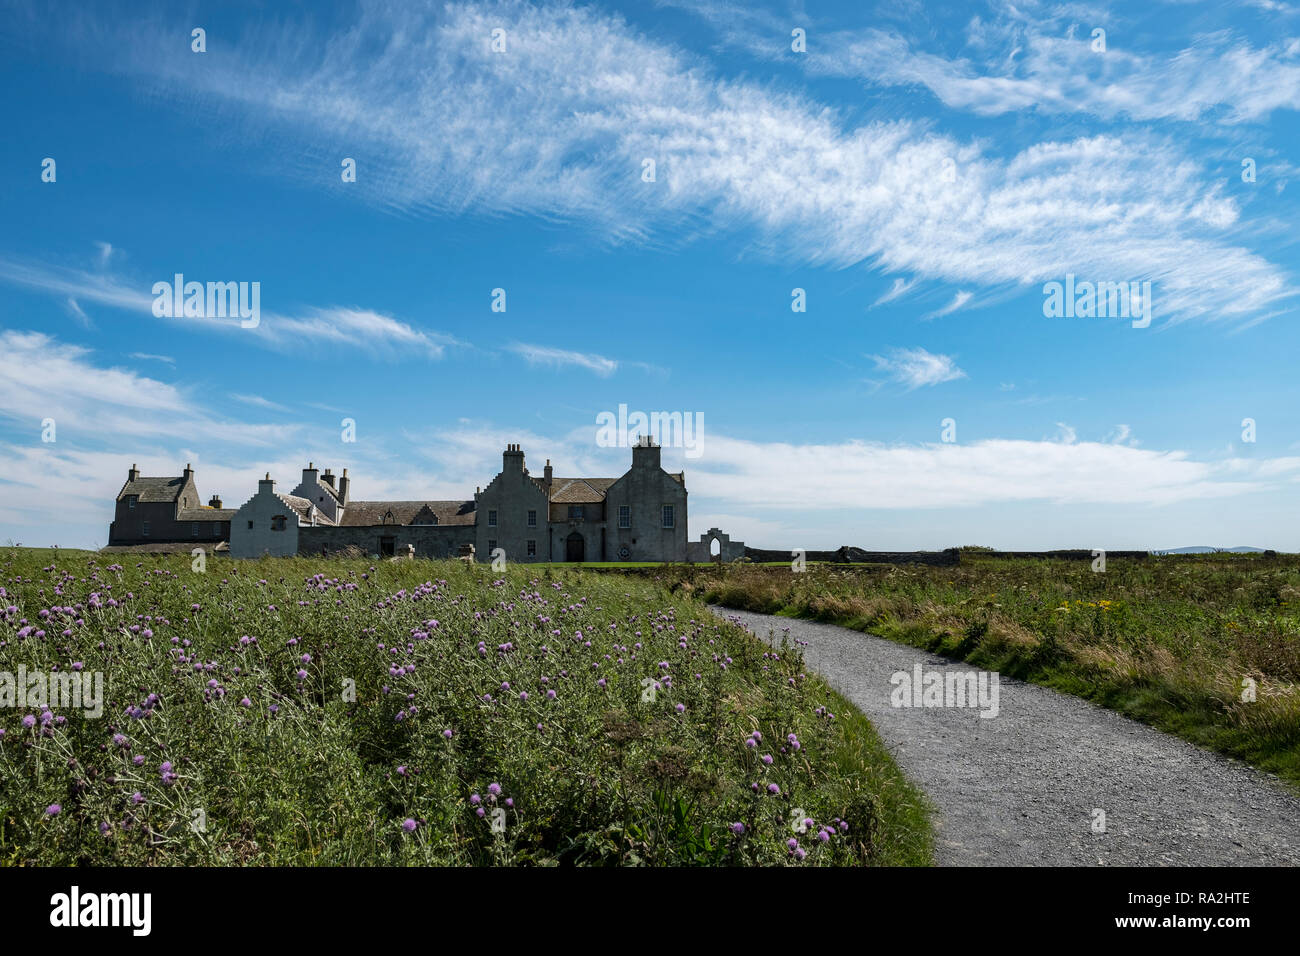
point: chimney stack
(328, 477)
(266, 484)
(343, 486)
(133, 474)
(189, 472)
(512, 459)
(645, 453)
(547, 476)
(215, 502)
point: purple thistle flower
(29, 721)
(773, 788)
(53, 810)
(738, 828)
(767, 759)
(494, 789)
(475, 799)
(447, 733)
(408, 825)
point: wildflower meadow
(343, 712)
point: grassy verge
(301, 711)
(1206, 647)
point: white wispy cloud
(859, 476)
(365, 330)
(580, 98)
(78, 313)
(900, 287)
(150, 357)
(1031, 56)
(42, 377)
(958, 301)
(545, 355)
(917, 367)
(258, 401)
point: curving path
(1021, 788)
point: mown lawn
(1204, 646)
(311, 711)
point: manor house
(639, 516)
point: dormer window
(130, 502)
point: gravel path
(1023, 787)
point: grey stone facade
(698, 552)
(639, 516)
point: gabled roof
(366, 513)
(579, 490)
(301, 506)
(153, 489)
(334, 492)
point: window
(144, 529)
(194, 529)
(624, 516)
(532, 519)
(575, 512)
(130, 502)
(492, 519)
(668, 516)
(492, 545)
(278, 523)
(185, 502)
(250, 526)
(532, 548)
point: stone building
(167, 510)
(638, 516)
(270, 523)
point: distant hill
(1202, 549)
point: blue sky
(920, 171)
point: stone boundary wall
(847, 555)
(951, 556)
(431, 541)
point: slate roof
(153, 489)
(206, 514)
(367, 513)
(303, 508)
(579, 490)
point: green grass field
(303, 711)
(1203, 646)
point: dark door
(386, 546)
(575, 548)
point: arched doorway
(715, 548)
(575, 547)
